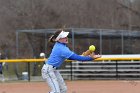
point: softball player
(59, 53)
(1, 68)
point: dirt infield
(74, 87)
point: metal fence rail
(107, 67)
(102, 70)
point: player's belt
(52, 66)
(55, 67)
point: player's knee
(54, 92)
(57, 92)
(64, 90)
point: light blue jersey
(59, 53)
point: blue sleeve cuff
(80, 58)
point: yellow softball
(92, 48)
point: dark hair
(54, 36)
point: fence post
(29, 71)
(116, 69)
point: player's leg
(62, 84)
(49, 76)
(2, 76)
(1, 73)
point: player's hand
(96, 56)
(87, 53)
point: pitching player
(59, 53)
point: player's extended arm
(80, 58)
(83, 58)
(90, 52)
(95, 56)
(87, 53)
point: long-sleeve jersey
(61, 52)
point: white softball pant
(54, 79)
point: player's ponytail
(54, 36)
(51, 39)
